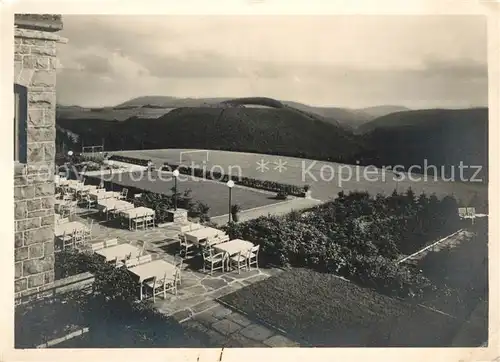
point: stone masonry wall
(35, 68)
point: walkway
(277, 209)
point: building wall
(35, 68)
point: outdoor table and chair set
(218, 252)
(112, 204)
(154, 277)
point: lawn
(325, 311)
(213, 194)
(322, 187)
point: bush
(244, 181)
(163, 203)
(282, 195)
(71, 262)
(115, 285)
(356, 236)
(388, 277)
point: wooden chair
(239, 261)
(123, 194)
(97, 246)
(145, 259)
(157, 286)
(179, 263)
(111, 242)
(89, 202)
(62, 220)
(139, 222)
(79, 237)
(66, 240)
(87, 232)
(172, 282)
(149, 221)
(130, 263)
(142, 245)
(253, 257)
(186, 248)
(115, 262)
(212, 260)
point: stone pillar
(35, 68)
(179, 216)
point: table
(68, 227)
(233, 247)
(114, 204)
(102, 194)
(205, 233)
(156, 268)
(120, 251)
(134, 213)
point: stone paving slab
(239, 318)
(220, 312)
(198, 308)
(280, 341)
(205, 318)
(226, 327)
(256, 332)
(247, 342)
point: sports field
(211, 193)
(326, 178)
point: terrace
(187, 284)
(187, 295)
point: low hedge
(72, 262)
(244, 181)
(131, 160)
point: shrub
(244, 181)
(235, 210)
(199, 210)
(356, 236)
(114, 285)
(386, 276)
(71, 262)
(282, 195)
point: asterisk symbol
(262, 166)
(280, 165)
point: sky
(341, 61)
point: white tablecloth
(205, 233)
(235, 246)
(119, 251)
(68, 227)
(137, 212)
(114, 204)
(156, 268)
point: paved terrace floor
(195, 305)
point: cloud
(336, 60)
(94, 63)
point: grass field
(323, 310)
(213, 194)
(323, 187)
